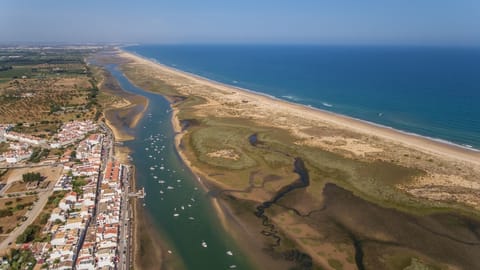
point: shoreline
(119, 129)
(222, 208)
(425, 144)
(222, 94)
(274, 98)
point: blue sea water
(430, 91)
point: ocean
(429, 91)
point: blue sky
(421, 22)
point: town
(79, 209)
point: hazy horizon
(427, 23)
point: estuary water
(430, 91)
(180, 209)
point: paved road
(32, 215)
(124, 239)
(23, 165)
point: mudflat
(375, 198)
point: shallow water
(180, 209)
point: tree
(31, 177)
(28, 235)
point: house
(74, 223)
(71, 197)
(110, 233)
(64, 205)
(15, 136)
(59, 239)
(57, 214)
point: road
(23, 165)
(124, 239)
(32, 215)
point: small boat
(204, 244)
(232, 266)
(176, 215)
(191, 218)
(229, 253)
(183, 208)
(170, 187)
(169, 251)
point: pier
(139, 194)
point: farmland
(42, 87)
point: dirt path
(32, 215)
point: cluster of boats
(158, 170)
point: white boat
(229, 253)
(170, 187)
(191, 218)
(232, 266)
(176, 215)
(204, 244)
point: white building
(57, 213)
(74, 223)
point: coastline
(223, 94)
(427, 145)
(289, 101)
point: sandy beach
(452, 170)
(275, 106)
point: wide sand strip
(452, 170)
(271, 105)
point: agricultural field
(42, 87)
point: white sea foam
(309, 106)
